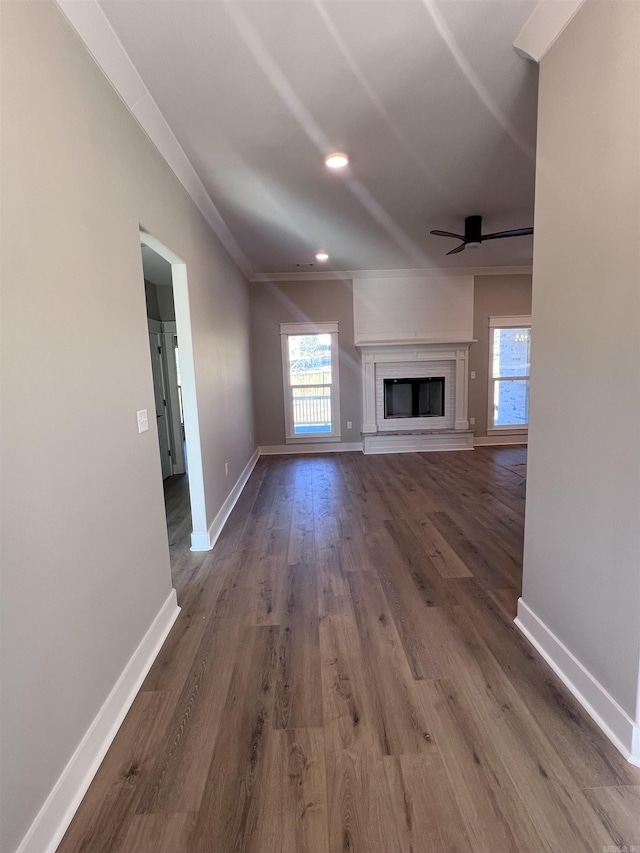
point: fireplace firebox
(414, 398)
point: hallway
(178, 510)
(345, 676)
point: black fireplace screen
(414, 398)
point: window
(509, 365)
(310, 375)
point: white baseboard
(320, 447)
(206, 541)
(495, 440)
(597, 702)
(51, 822)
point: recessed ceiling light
(337, 160)
(322, 256)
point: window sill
(318, 438)
(507, 430)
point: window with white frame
(310, 377)
(509, 366)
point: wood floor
(345, 676)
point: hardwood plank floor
(345, 677)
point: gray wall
(160, 304)
(285, 302)
(85, 563)
(494, 295)
(582, 548)
(151, 295)
(296, 302)
(166, 307)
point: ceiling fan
(473, 235)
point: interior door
(160, 395)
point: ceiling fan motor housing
(473, 230)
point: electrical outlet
(226, 468)
(349, 424)
(472, 421)
(473, 374)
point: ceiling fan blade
(447, 234)
(515, 232)
(457, 249)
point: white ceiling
(434, 106)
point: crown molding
(544, 26)
(342, 275)
(96, 33)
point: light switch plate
(473, 374)
(143, 420)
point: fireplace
(422, 397)
(415, 397)
(403, 388)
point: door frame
(165, 332)
(169, 331)
(200, 531)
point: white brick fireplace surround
(419, 359)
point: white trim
(158, 247)
(508, 430)
(51, 822)
(332, 275)
(614, 721)
(313, 439)
(292, 450)
(180, 284)
(93, 28)
(512, 321)
(496, 440)
(415, 340)
(206, 541)
(309, 328)
(544, 26)
(420, 349)
(288, 330)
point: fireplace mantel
(415, 352)
(366, 344)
